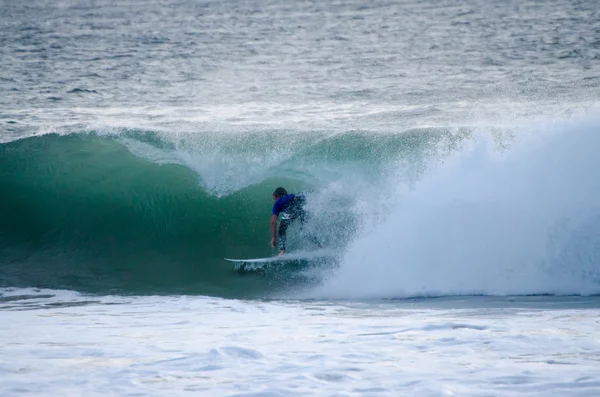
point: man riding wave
(290, 207)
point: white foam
(156, 346)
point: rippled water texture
(187, 65)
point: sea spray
(522, 220)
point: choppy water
(447, 149)
(335, 66)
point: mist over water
(520, 220)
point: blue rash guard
(281, 205)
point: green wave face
(83, 212)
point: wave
(133, 211)
(425, 212)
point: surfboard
(297, 256)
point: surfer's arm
(273, 230)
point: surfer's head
(279, 192)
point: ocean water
(448, 151)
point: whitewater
(522, 221)
(206, 346)
(448, 152)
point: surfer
(291, 207)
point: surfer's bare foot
(282, 252)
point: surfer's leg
(283, 225)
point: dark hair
(279, 192)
